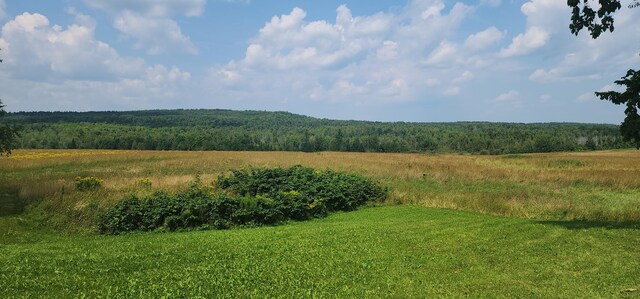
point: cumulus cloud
(421, 52)
(46, 63)
(288, 41)
(354, 59)
(544, 19)
(425, 23)
(155, 35)
(35, 49)
(483, 39)
(550, 15)
(444, 53)
(525, 43)
(149, 22)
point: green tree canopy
(630, 127)
(596, 21)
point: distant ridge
(220, 129)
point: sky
(415, 60)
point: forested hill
(282, 131)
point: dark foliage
(338, 191)
(281, 131)
(8, 134)
(630, 127)
(596, 21)
(249, 197)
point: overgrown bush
(338, 191)
(88, 183)
(250, 197)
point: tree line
(282, 131)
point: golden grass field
(603, 186)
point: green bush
(249, 197)
(338, 191)
(88, 183)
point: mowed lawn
(392, 251)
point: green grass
(393, 251)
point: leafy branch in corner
(597, 22)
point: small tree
(8, 135)
(597, 22)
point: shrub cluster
(88, 183)
(250, 197)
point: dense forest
(282, 131)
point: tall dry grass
(592, 185)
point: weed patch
(88, 183)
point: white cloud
(81, 19)
(423, 22)
(35, 49)
(484, 38)
(465, 76)
(544, 19)
(526, 43)
(541, 75)
(433, 10)
(347, 64)
(289, 42)
(55, 68)
(358, 59)
(509, 96)
(388, 51)
(444, 53)
(155, 35)
(150, 23)
(550, 15)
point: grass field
(393, 251)
(600, 186)
(543, 225)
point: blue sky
(417, 60)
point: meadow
(600, 186)
(535, 225)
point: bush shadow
(589, 224)
(10, 202)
